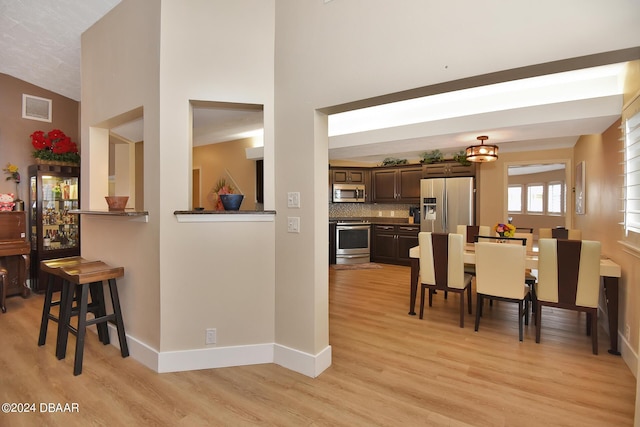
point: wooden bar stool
(51, 267)
(3, 288)
(80, 278)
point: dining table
(610, 272)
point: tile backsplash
(367, 210)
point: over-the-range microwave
(348, 193)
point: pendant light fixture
(482, 153)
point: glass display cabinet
(54, 190)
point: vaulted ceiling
(530, 114)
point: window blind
(632, 175)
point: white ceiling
(40, 40)
(542, 114)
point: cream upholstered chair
(500, 275)
(470, 231)
(529, 277)
(528, 236)
(468, 236)
(559, 233)
(442, 267)
(569, 278)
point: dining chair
(524, 229)
(442, 268)
(569, 278)
(525, 239)
(470, 231)
(468, 236)
(500, 276)
(560, 233)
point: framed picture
(580, 189)
(36, 108)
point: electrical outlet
(210, 336)
(627, 332)
(393, 213)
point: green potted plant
(461, 157)
(392, 161)
(431, 156)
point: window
(535, 198)
(514, 198)
(555, 198)
(632, 175)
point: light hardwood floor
(388, 369)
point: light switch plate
(293, 224)
(293, 199)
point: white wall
(329, 53)
(181, 278)
(213, 275)
(120, 58)
(324, 54)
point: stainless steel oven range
(353, 242)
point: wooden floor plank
(388, 369)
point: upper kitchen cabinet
(349, 175)
(399, 184)
(448, 169)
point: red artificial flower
(38, 140)
(56, 134)
(55, 141)
(65, 146)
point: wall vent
(36, 108)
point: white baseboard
(222, 357)
(629, 355)
(304, 363)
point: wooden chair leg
(97, 303)
(115, 300)
(594, 331)
(46, 310)
(462, 309)
(521, 310)
(3, 291)
(64, 318)
(526, 310)
(431, 292)
(82, 329)
(538, 320)
(588, 324)
(422, 289)
(478, 310)
(469, 299)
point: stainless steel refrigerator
(446, 203)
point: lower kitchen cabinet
(390, 243)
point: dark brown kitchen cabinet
(391, 243)
(448, 169)
(407, 239)
(396, 184)
(383, 244)
(349, 176)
